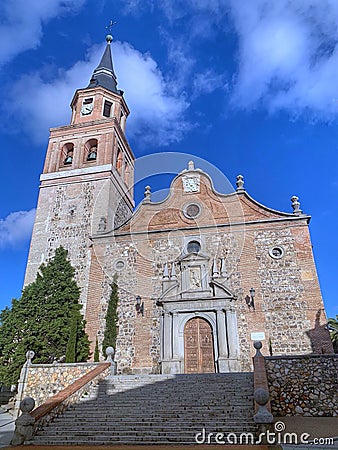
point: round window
(193, 247)
(192, 211)
(276, 252)
(119, 264)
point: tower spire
(104, 74)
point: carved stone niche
(195, 276)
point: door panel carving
(198, 347)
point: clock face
(191, 184)
(87, 109)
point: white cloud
(157, 115)
(207, 82)
(22, 20)
(16, 228)
(287, 50)
(181, 63)
(288, 56)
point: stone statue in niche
(195, 278)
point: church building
(200, 274)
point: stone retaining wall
(303, 385)
(46, 380)
(56, 404)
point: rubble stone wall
(303, 385)
(46, 380)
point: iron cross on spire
(110, 26)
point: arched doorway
(198, 347)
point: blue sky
(250, 85)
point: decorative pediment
(193, 256)
(190, 278)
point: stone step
(175, 388)
(152, 414)
(155, 425)
(119, 440)
(115, 401)
(146, 406)
(198, 418)
(172, 428)
(221, 390)
(173, 396)
(97, 437)
(181, 376)
(179, 387)
(214, 382)
(209, 418)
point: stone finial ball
(109, 38)
(27, 404)
(261, 396)
(110, 351)
(30, 354)
(258, 345)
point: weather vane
(110, 26)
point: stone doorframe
(220, 314)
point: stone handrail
(261, 388)
(56, 404)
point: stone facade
(303, 385)
(244, 269)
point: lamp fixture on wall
(139, 305)
(252, 298)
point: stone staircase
(155, 409)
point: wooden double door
(198, 346)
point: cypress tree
(110, 332)
(71, 345)
(40, 319)
(96, 352)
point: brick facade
(288, 304)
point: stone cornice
(243, 225)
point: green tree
(110, 332)
(71, 344)
(41, 320)
(333, 328)
(96, 352)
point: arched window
(92, 155)
(91, 150)
(67, 154)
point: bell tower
(87, 181)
